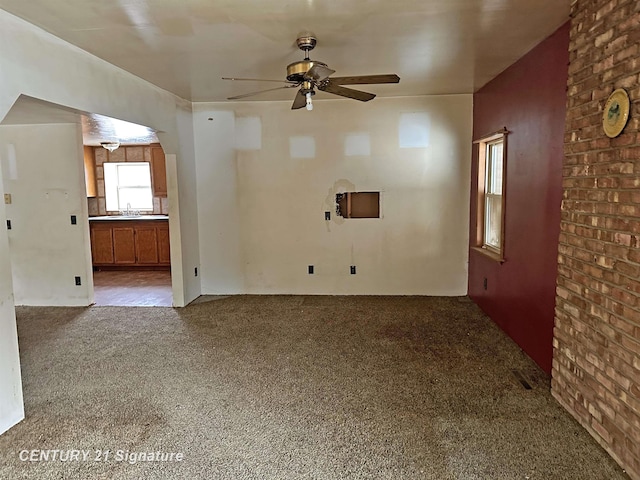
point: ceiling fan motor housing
(297, 70)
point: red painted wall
(529, 98)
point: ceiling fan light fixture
(111, 146)
(309, 104)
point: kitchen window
(491, 198)
(128, 187)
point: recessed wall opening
(358, 204)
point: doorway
(125, 172)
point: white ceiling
(98, 128)
(186, 46)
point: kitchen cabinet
(164, 252)
(130, 243)
(102, 244)
(124, 245)
(90, 172)
(158, 171)
(147, 244)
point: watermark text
(73, 455)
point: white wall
(218, 215)
(46, 183)
(39, 65)
(181, 185)
(11, 405)
(261, 211)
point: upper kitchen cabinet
(90, 172)
(158, 171)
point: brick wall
(596, 366)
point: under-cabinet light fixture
(111, 146)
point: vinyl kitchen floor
(132, 288)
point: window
(490, 214)
(128, 186)
(358, 204)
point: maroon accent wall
(529, 98)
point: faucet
(129, 212)
(132, 212)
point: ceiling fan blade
(330, 87)
(257, 80)
(362, 79)
(238, 97)
(299, 102)
(318, 73)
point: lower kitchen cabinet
(164, 252)
(102, 244)
(124, 245)
(130, 243)
(147, 245)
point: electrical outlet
(353, 269)
(78, 281)
(7, 198)
(310, 269)
(8, 224)
(327, 215)
(74, 220)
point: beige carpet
(290, 387)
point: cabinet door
(124, 250)
(102, 245)
(158, 172)
(90, 172)
(164, 251)
(147, 245)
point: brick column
(596, 366)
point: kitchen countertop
(128, 217)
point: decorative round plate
(616, 113)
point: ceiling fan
(309, 75)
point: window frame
(118, 187)
(484, 146)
